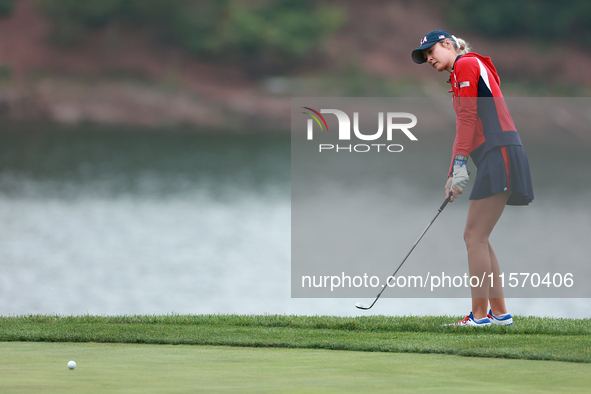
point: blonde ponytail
(460, 45)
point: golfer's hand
(454, 190)
(459, 178)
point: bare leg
(483, 215)
(496, 298)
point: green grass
(129, 368)
(290, 354)
(531, 338)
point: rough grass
(531, 338)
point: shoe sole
(497, 322)
(503, 324)
(468, 325)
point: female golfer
(484, 131)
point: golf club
(362, 305)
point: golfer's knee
(471, 238)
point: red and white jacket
(483, 120)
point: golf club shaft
(413, 248)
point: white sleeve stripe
(484, 74)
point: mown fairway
(278, 353)
(132, 368)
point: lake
(113, 221)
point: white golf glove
(460, 172)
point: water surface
(154, 222)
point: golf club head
(362, 305)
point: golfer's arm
(466, 109)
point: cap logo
(441, 37)
(424, 40)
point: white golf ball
(72, 364)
